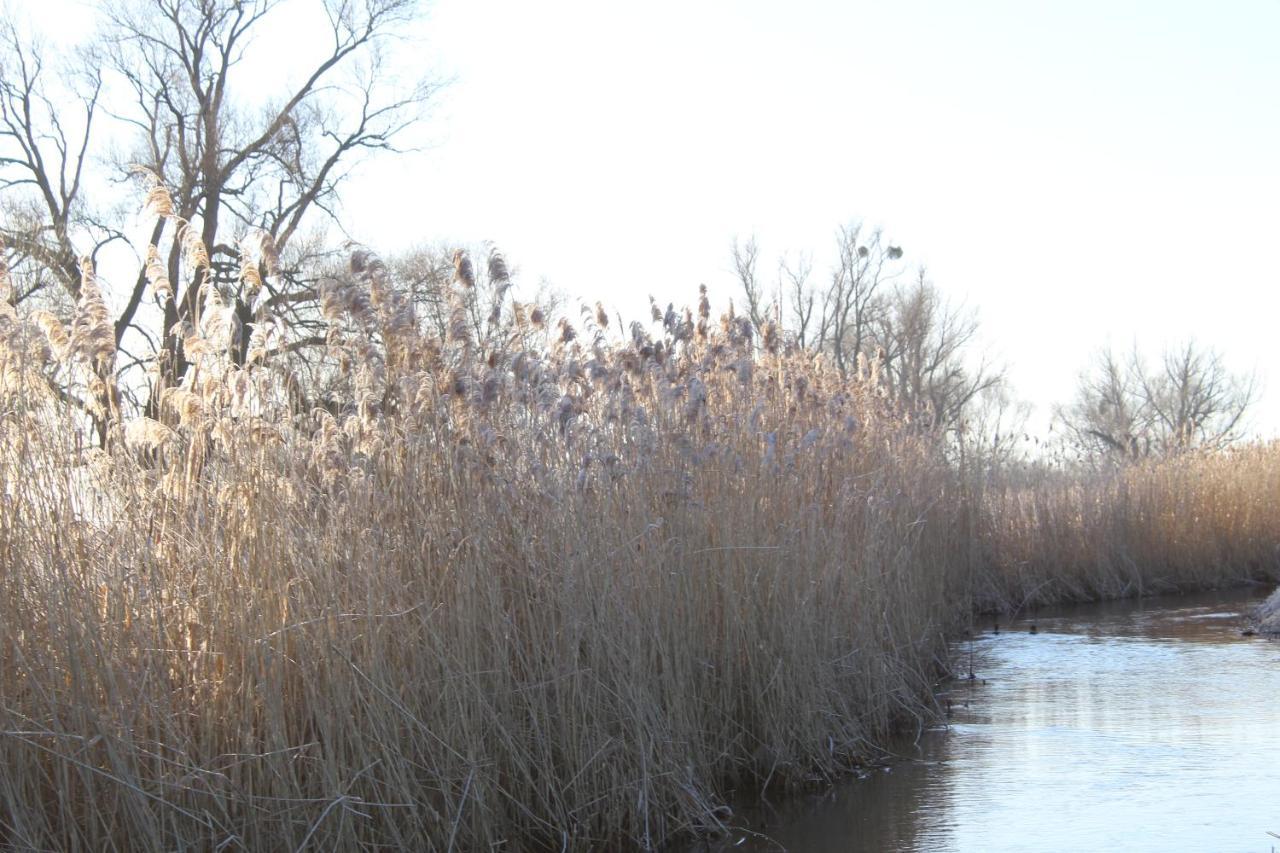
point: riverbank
(1265, 619)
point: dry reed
(564, 594)
(1191, 521)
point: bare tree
(1195, 400)
(838, 318)
(1109, 414)
(1130, 410)
(995, 427)
(853, 303)
(925, 344)
(47, 118)
(795, 289)
(746, 257)
(236, 173)
(920, 344)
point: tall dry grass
(563, 594)
(1190, 521)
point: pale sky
(1082, 173)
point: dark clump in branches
(870, 316)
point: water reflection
(1126, 726)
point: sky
(1081, 173)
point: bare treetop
(239, 156)
(1131, 409)
(868, 318)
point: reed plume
(157, 278)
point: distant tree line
(1131, 409)
(869, 312)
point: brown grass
(1193, 521)
(561, 594)
(565, 594)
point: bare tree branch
(1189, 401)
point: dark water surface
(1127, 726)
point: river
(1132, 726)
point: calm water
(1151, 726)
